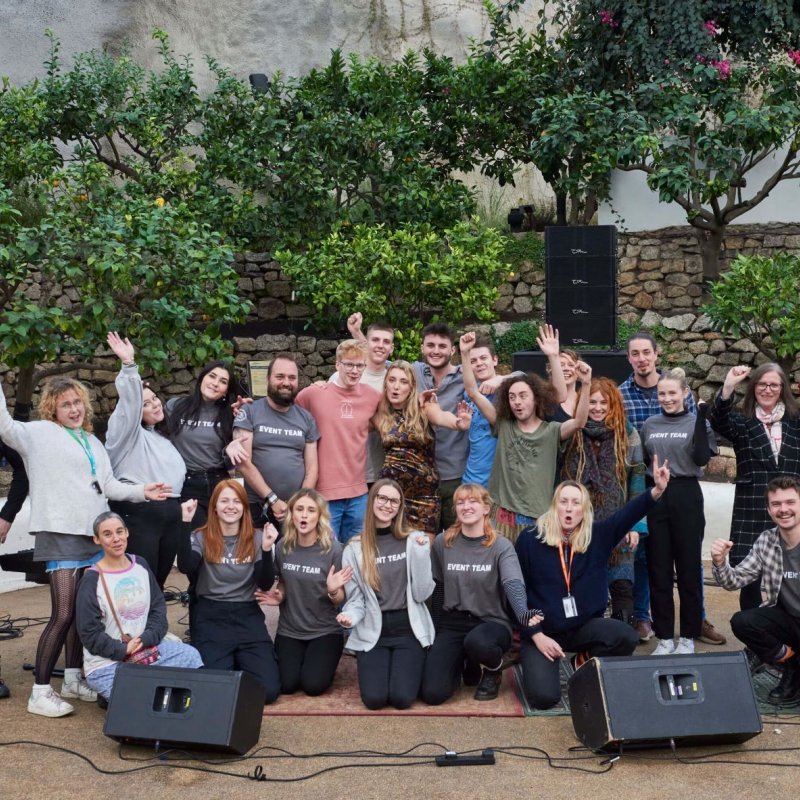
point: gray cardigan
(138, 454)
(62, 497)
(362, 603)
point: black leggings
(460, 635)
(153, 532)
(391, 673)
(60, 630)
(308, 664)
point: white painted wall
(17, 539)
(641, 210)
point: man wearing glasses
(343, 410)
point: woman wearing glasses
(765, 434)
(390, 626)
(405, 424)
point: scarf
(771, 420)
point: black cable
(14, 628)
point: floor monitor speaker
(190, 708)
(649, 701)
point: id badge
(570, 609)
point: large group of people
(428, 518)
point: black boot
(787, 692)
(489, 686)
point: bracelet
(271, 498)
(333, 595)
(128, 363)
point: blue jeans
(641, 586)
(347, 516)
(170, 654)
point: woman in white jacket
(385, 609)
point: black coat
(755, 467)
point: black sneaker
(489, 686)
(754, 662)
(4, 690)
(787, 692)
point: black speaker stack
(581, 283)
(652, 701)
(201, 709)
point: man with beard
(275, 444)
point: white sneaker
(684, 646)
(665, 647)
(48, 703)
(79, 690)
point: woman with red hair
(606, 457)
(227, 562)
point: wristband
(271, 498)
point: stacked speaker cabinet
(581, 283)
(650, 701)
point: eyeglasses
(383, 500)
(768, 387)
(350, 366)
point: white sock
(72, 675)
(40, 688)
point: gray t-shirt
(279, 442)
(393, 572)
(306, 611)
(231, 580)
(789, 595)
(199, 444)
(670, 437)
(473, 575)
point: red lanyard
(567, 572)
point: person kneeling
(771, 631)
(563, 559)
(122, 587)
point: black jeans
(460, 635)
(200, 486)
(676, 526)
(765, 630)
(391, 673)
(308, 664)
(597, 637)
(153, 532)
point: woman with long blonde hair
(310, 588)
(226, 562)
(606, 457)
(478, 580)
(390, 626)
(406, 427)
(563, 560)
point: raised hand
(735, 376)
(122, 348)
(428, 396)
(269, 536)
(463, 416)
(660, 477)
(338, 580)
(188, 509)
(719, 551)
(354, 323)
(466, 343)
(547, 340)
(584, 372)
(236, 405)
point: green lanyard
(83, 441)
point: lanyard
(567, 572)
(83, 441)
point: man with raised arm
(771, 631)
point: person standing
(343, 413)
(275, 444)
(141, 452)
(765, 435)
(70, 477)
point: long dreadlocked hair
(615, 420)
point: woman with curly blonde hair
(405, 424)
(310, 588)
(606, 457)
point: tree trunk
(710, 248)
(561, 208)
(25, 387)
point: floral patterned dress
(412, 463)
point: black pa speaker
(646, 701)
(204, 709)
(581, 283)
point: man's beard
(279, 397)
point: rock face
(244, 35)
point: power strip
(451, 759)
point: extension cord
(451, 759)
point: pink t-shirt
(343, 421)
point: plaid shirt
(765, 561)
(641, 405)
